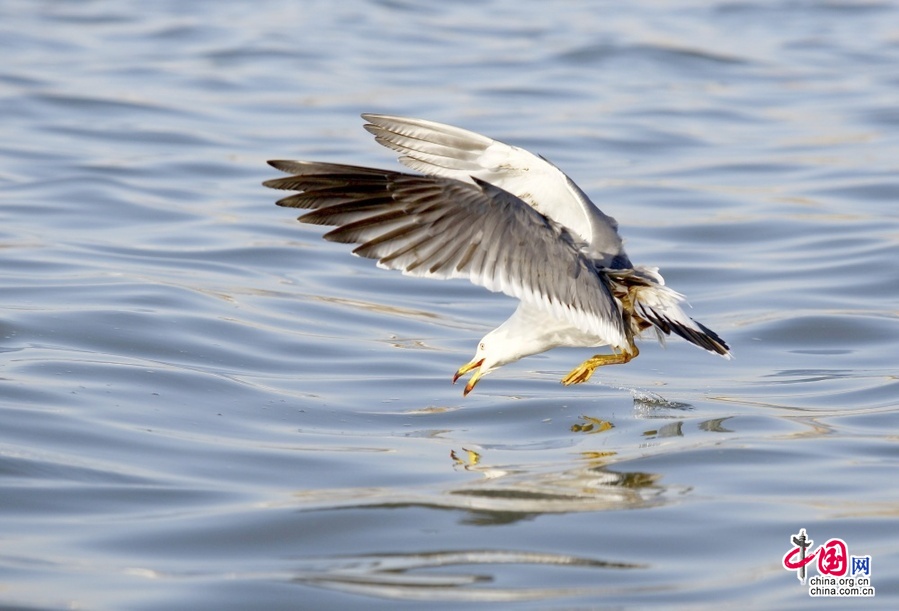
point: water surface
(205, 405)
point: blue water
(205, 405)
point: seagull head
(493, 352)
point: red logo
(839, 574)
(833, 556)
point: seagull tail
(660, 306)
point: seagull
(505, 219)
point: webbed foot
(584, 371)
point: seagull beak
(474, 378)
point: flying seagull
(507, 220)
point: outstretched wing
(440, 227)
(443, 150)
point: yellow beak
(474, 378)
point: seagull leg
(582, 372)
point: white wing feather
(443, 150)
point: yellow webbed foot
(584, 371)
(580, 374)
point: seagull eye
(481, 346)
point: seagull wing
(443, 150)
(440, 227)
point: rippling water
(204, 405)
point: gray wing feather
(443, 150)
(440, 227)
